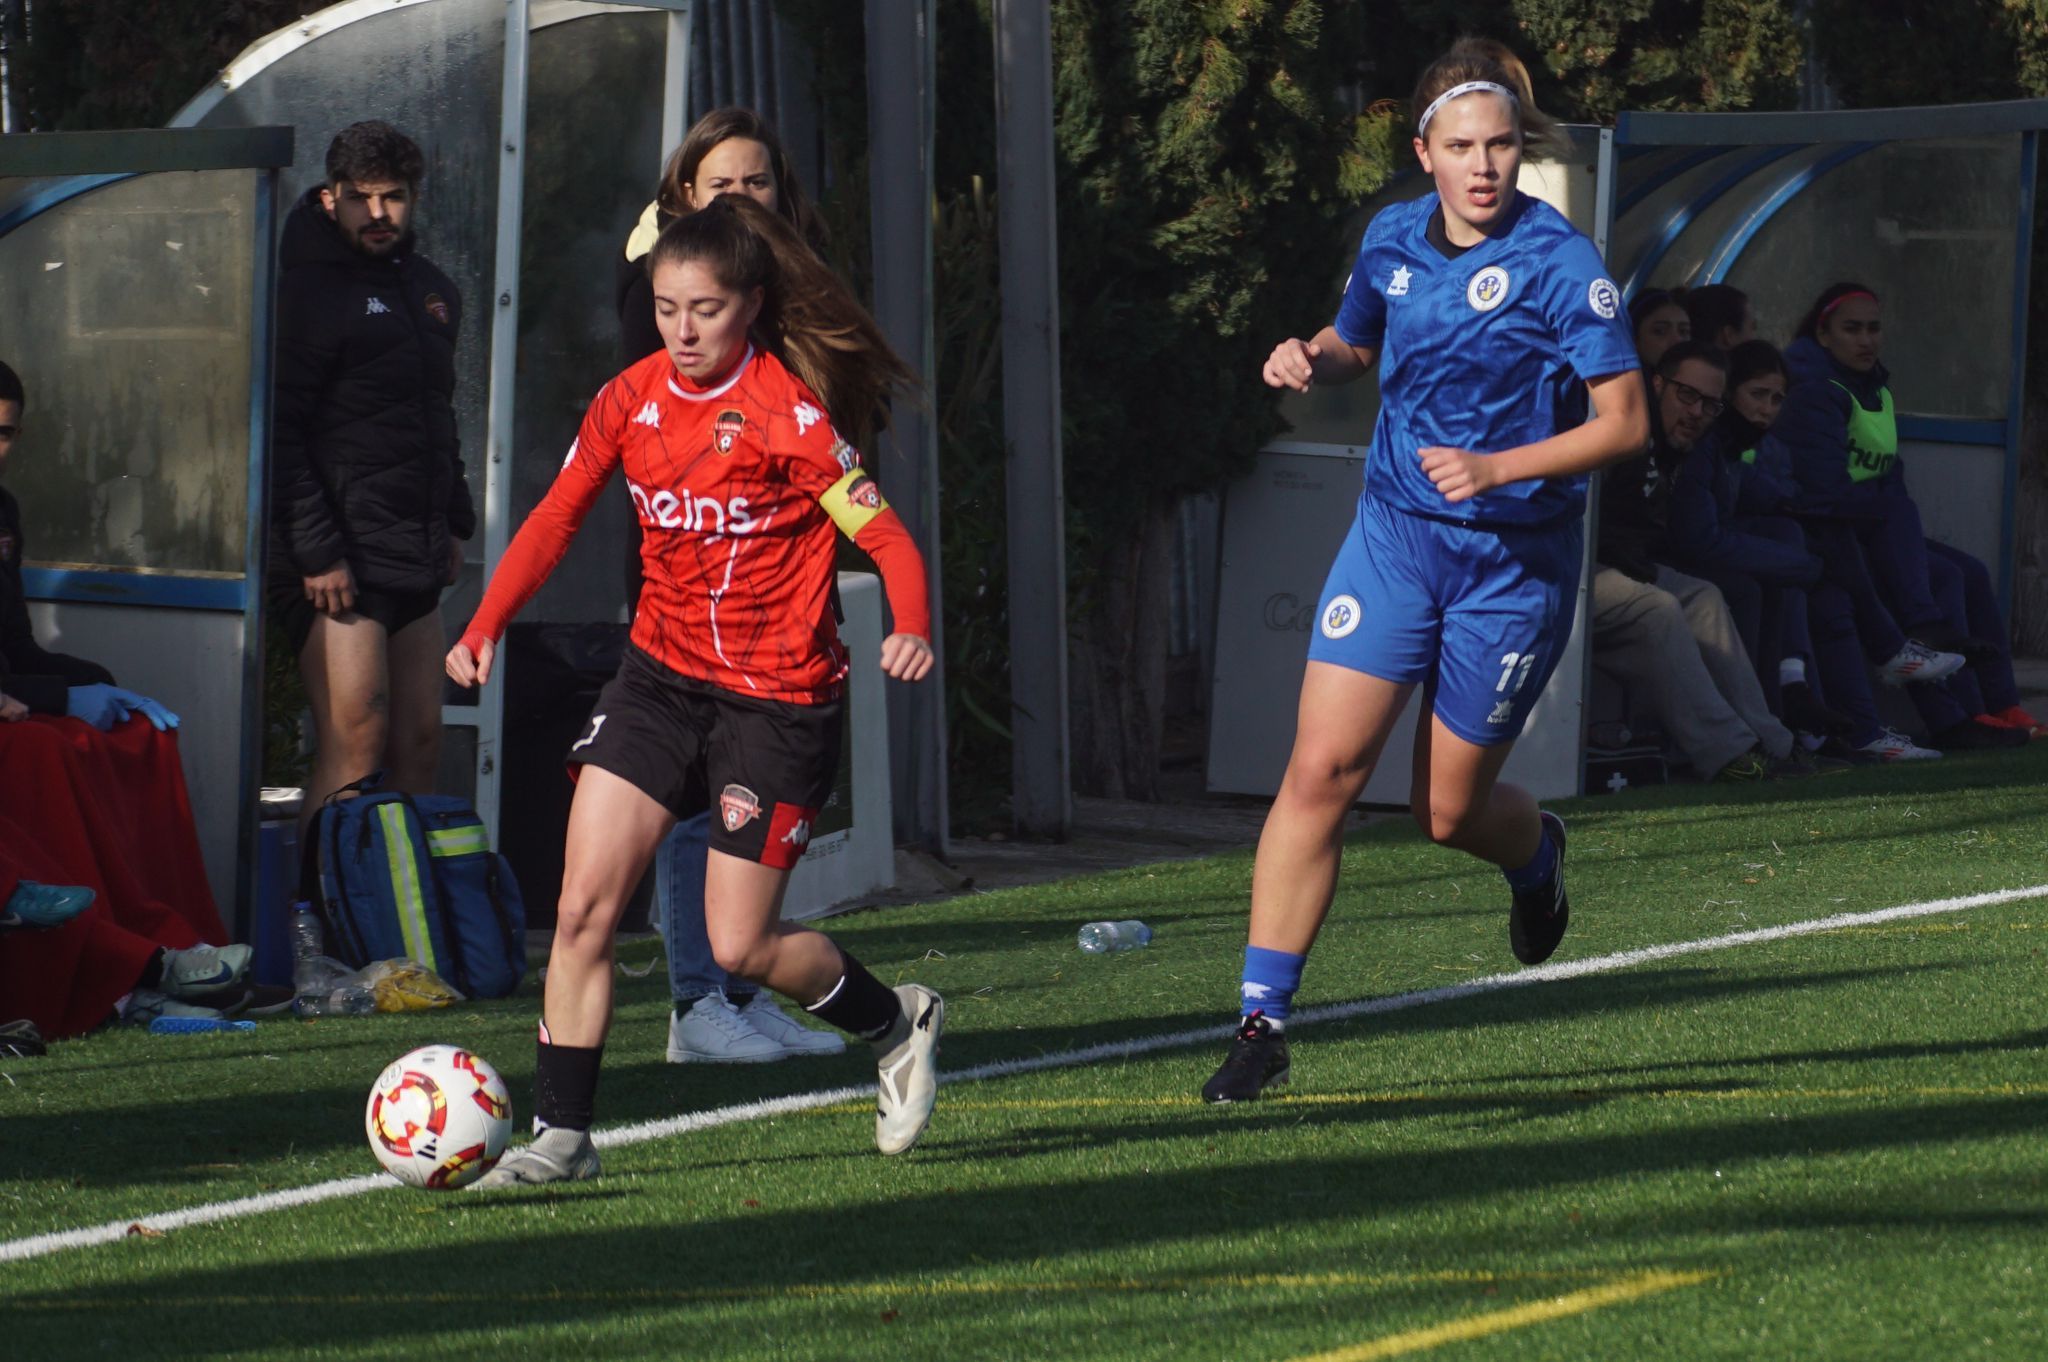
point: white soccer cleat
(1919, 664)
(793, 1036)
(556, 1155)
(1892, 745)
(712, 1031)
(906, 1075)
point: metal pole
(900, 38)
(675, 82)
(490, 708)
(1041, 785)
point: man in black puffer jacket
(368, 503)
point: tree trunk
(1117, 666)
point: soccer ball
(438, 1118)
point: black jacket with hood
(366, 463)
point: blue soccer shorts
(1485, 610)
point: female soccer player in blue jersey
(1490, 318)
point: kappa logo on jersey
(1604, 298)
(1341, 616)
(437, 308)
(806, 416)
(737, 807)
(1399, 287)
(863, 492)
(376, 308)
(671, 511)
(1488, 289)
(1503, 710)
(649, 415)
(726, 428)
(847, 456)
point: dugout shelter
(1932, 207)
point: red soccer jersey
(738, 487)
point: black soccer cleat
(1536, 922)
(1257, 1059)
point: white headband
(1468, 88)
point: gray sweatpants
(1674, 645)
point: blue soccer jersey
(1486, 352)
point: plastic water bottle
(1099, 938)
(308, 942)
(350, 1000)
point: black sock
(859, 1003)
(153, 972)
(565, 1083)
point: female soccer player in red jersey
(730, 695)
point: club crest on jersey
(1604, 298)
(1399, 286)
(726, 428)
(738, 806)
(863, 492)
(1488, 289)
(437, 308)
(1341, 616)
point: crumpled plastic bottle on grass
(329, 988)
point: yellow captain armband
(852, 502)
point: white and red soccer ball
(438, 1118)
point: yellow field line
(1259, 1281)
(1520, 1316)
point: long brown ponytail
(809, 318)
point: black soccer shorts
(763, 767)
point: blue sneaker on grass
(44, 905)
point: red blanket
(110, 811)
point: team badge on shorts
(1341, 616)
(1604, 298)
(863, 492)
(726, 428)
(1488, 289)
(738, 806)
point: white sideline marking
(37, 1245)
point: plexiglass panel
(436, 71)
(127, 313)
(593, 138)
(1930, 226)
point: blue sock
(1270, 978)
(1541, 866)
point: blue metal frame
(1736, 239)
(1841, 125)
(62, 191)
(1681, 217)
(99, 586)
(1955, 430)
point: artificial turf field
(1823, 1146)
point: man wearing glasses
(1668, 637)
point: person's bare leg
(614, 828)
(345, 667)
(743, 915)
(412, 742)
(1341, 728)
(1458, 800)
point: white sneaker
(1892, 745)
(792, 1035)
(555, 1155)
(203, 969)
(906, 1078)
(712, 1031)
(1917, 663)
